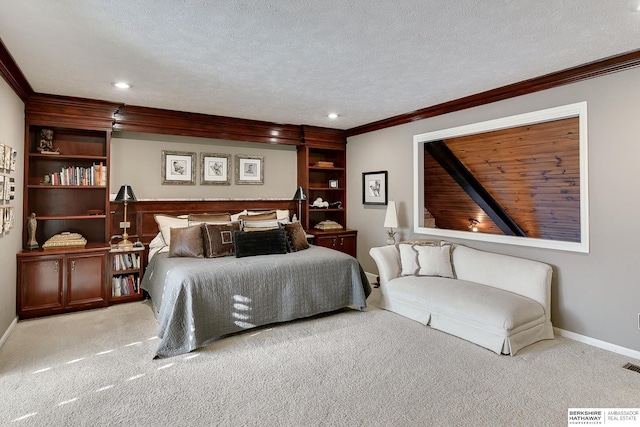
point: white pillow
(166, 222)
(408, 260)
(434, 261)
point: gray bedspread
(198, 300)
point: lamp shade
(300, 194)
(391, 218)
(125, 194)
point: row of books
(125, 285)
(126, 261)
(95, 175)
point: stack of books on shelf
(125, 285)
(96, 175)
(126, 261)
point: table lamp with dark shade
(300, 196)
(125, 195)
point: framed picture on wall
(215, 168)
(178, 167)
(249, 169)
(374, 188)
(7, 157)
(1, 156)
(14, 157)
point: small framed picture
(7, 191)
(1, 221)
(1, 156)
(249, 169)
(178, 167)
(215, 168)
(374, 188)
(7, 157)
(14, 157)
(333, 183)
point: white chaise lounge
(497, 301)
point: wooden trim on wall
(12, 74)
(315, 136)
(153, 120)
(597, 68)
(68, 111)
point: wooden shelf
(40, 156)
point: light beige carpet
(352, 368)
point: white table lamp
(391, 222)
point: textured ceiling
(295, 61)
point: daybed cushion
(472, 302)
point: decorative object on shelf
(300, 196)
(249, 169)
(328, 225)
(215, 168)
(324, 164)
(65, 239)
(336, 205)
(32, 225)
(319, 203)
(178, 168)
(333, 183)
(473, 224)
(391, 222)
(46, 142)
(125, 195)
(374, 188)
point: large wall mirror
(518, 180)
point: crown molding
(601, 67)
(12, 74)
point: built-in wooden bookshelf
(126, 271)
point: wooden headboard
(144, 227)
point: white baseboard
(598, 343)
(6, 334)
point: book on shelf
(126, 261)
(125, 285)
(95, 175)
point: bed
(200, 300)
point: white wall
(136, 160)
(595, 294)
(11, 133)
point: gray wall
(136, 160)
(11, 133)
(595, 294)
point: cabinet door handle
(73, 265)
(342, 241)
(55, 269)
(333, 242)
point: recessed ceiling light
(333, 115)
(122, 85)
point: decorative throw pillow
(236, 216)
(408, 259)
(166, 222)
(186, 242)
(434, 261)
(260, 242)
(218, 239)
(258, 216)
(296, 236)
(197, 219)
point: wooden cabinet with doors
(66, 185)
(341, 240)
(59, 281)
